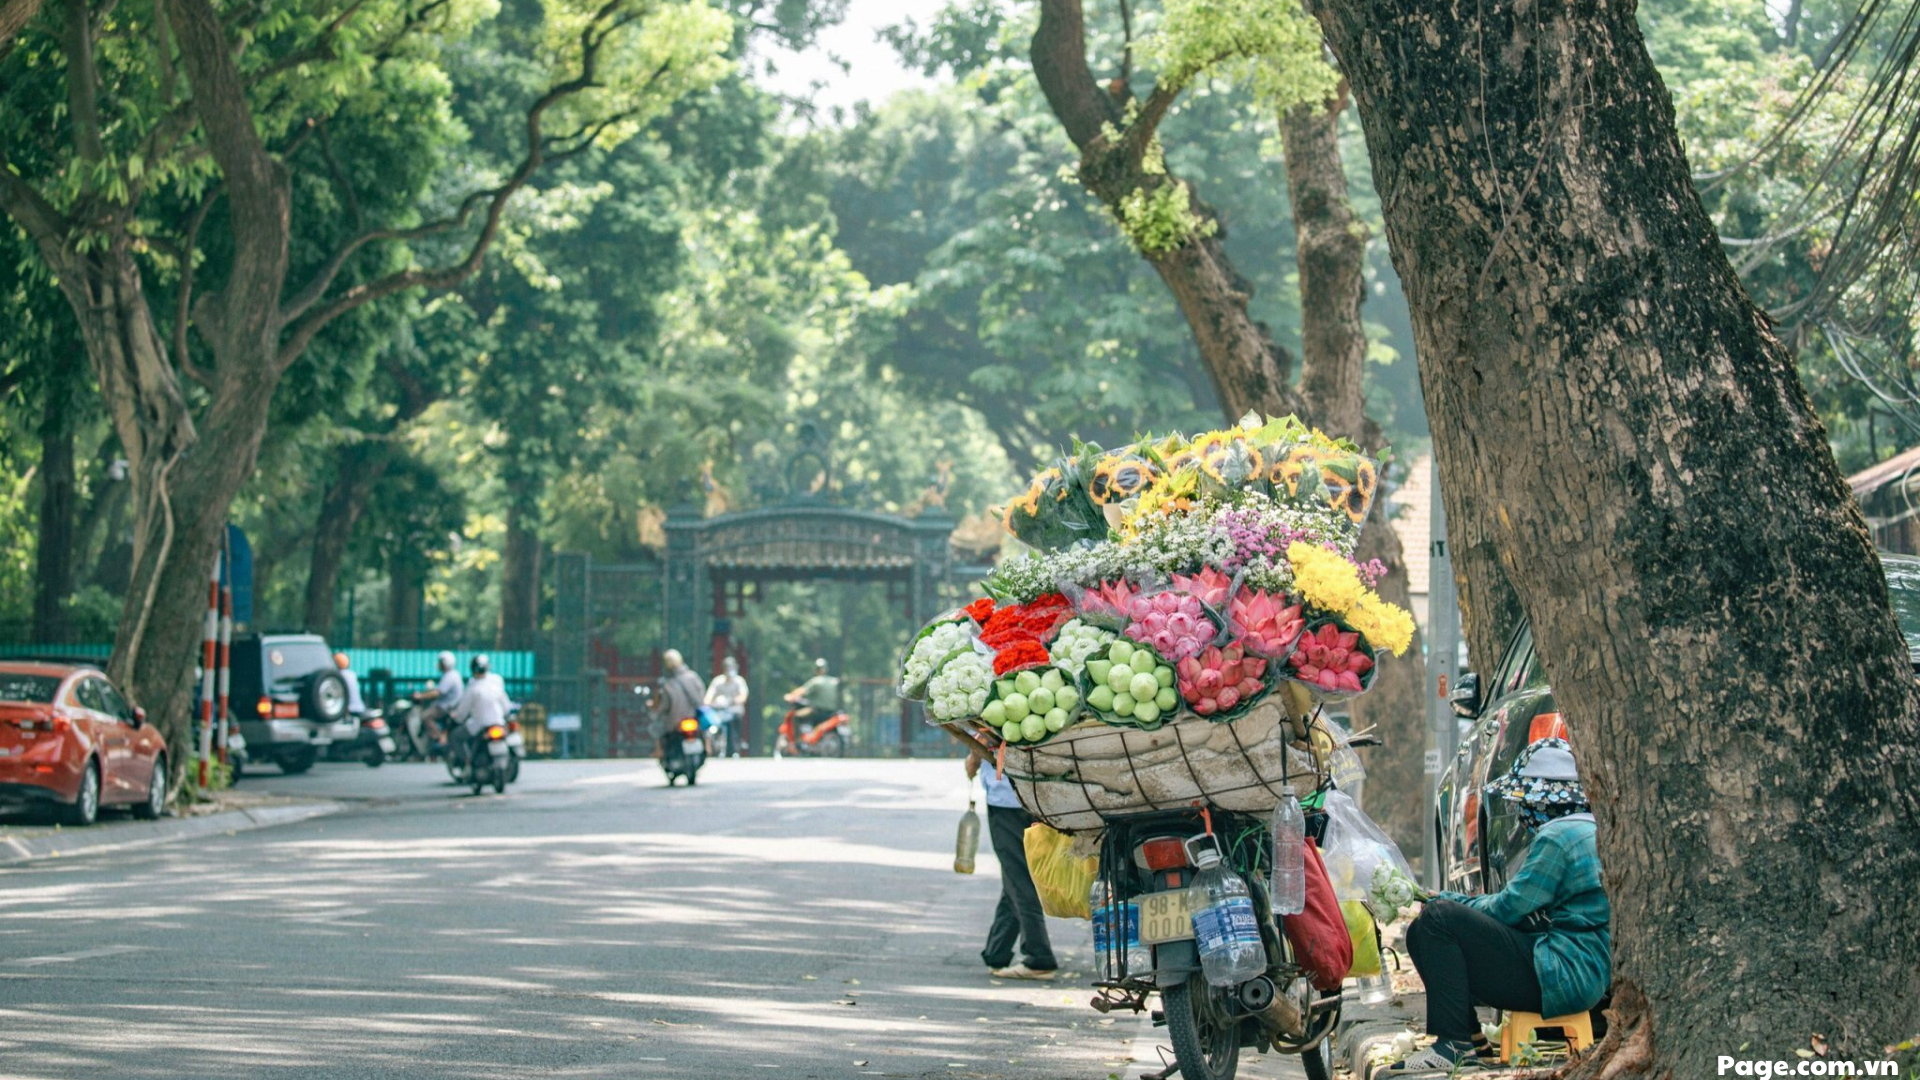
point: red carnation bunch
(1025, 622)
(980, 610)
(1019, 654)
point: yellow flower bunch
(1169, 493)
(1329, 582)
(1324, 578)
(1384, 625)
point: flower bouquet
(1031, 705)
(1131, 686)
(1332, 661)
(1077, 641)
(961, 687)
(935, 644)
(1176, 582)
(1392, 891)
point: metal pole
(209, 640)
(224, 685)
(1443, 661)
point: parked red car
(68, 738)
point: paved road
(792, 919)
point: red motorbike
(811, 736)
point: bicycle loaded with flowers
(1149, 677)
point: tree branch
(15, 14)
(83, 82)
(41, 219)
(1059, 54)
(257, 191)
(301, 328)
(183, 304)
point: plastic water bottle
(967, 843)
(1288, 889)
(1116, 923)
(1226, 927)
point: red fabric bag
(1319, 934)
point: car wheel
(156, 803)
(86, 805)
(297, 762)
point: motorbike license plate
(497, 749)
(690, 746)
(1168, 916)
(386, 744)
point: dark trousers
(1018, 916)
(1468, 958)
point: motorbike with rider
(814, 726)
(483, 743)
(427, 721)
(680, 709)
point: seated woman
(1539, 945)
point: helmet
(340, 661)
(446, 661)
(820, 664)
(479, 664)
(673, 660)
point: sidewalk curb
(70, 843)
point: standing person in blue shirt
(1019, 917)
(1541, 944)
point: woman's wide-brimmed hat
(1543, 777)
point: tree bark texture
(1249, 370)
(1617, 421)
(1332, 256)
(357, 467)
(519, 581)
(54, 550)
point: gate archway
(613, 620)
(713, 565)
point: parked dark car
(70, 741)
(1481, 841)
(289, 698)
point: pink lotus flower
(1332, 659)
(1219, 680)
(1267, 625)
(1108, 598)
(1172, 622)
(1209, 585)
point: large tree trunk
(357, 466)
(1332, 257)
(406, 578)
(1615, 415)
(54, 552)
(519, 581)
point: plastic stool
(1521, 1026)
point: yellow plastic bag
(1366, 939)
(1062, 880)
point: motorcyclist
(818, 697)
(482, 704)
(356, 706)
(443, 697)
(727, 697)
(681, 687)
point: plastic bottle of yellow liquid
(967, 843)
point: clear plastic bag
(1354, 847)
